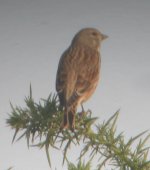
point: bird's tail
(69, 118)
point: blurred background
(34, 34)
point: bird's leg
(82, 108)
(82, 113)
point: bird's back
(77, 75)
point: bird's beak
(104, 36)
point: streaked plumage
(78, 72)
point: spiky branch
(42, 121)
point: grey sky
(34, 34)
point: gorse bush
(42, 120)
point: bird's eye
(94, 33)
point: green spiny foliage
(80, 166)
(42, 121)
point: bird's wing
(78, 73)
(66, 76)
(87, 76)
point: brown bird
(78, 72)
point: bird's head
(90, 37)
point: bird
(78, 73)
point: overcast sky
(34, 34)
